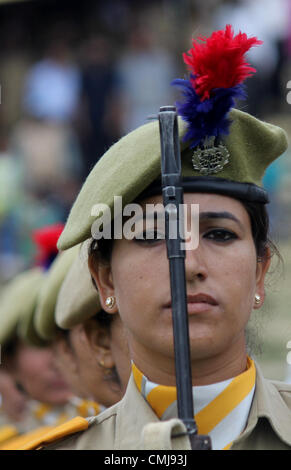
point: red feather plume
(218, 61)
(46, 240)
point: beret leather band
(246, 191)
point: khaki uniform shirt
(132, 424)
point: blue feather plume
(209, 117)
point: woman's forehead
(206, 202)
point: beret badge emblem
(209, 158)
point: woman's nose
(195, 265)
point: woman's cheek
(241, 280)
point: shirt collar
(268, 403)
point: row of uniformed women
(224, 155)
(62, 373)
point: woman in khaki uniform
(32, 368)
(224, 155)
(88, 367)
(89, 348)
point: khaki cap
(18, 304)
(44, 318)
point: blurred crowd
(75, 78)
(67, 95)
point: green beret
(44, 318)
(78, 299)
(18, 304)
(133, 163)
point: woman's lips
(198, 303)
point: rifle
(173, 199)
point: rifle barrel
(173, 199)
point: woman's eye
(220, 235)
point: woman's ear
(101, 273)
(263, 265)
(98, 338)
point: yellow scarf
(221, 409)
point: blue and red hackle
(218, 68)
(45, 240)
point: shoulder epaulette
(73, 426)
(18, 441)
(7, 432)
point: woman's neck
(205, 370)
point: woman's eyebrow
(220, 215)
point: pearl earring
(110, 301)
(257, 299)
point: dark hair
(62, 334)
(9, 349)
(260, 226)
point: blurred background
(77, 75)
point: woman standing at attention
(224, 154)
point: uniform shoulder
(99, 434)
(19, 441)
(78, 433)
(281, 386)
(284, 390)
(71, 427)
